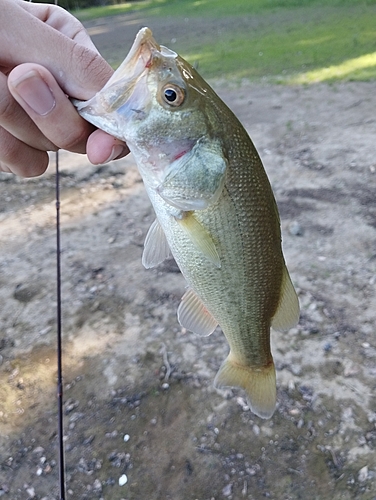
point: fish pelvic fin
(287, 314)
(200, 237)
(259, 384)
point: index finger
(59, 19)
(80, 71)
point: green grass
(111, 10)
(223, 8)
(217, 8)
(316, 45)
(291, 41)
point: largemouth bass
(215, 210)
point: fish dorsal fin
(199, 237)
(287, 314)
(193, 315)
(156, 248)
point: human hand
(48, 57)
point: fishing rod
(59, 350)
(59, 353)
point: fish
(215, 209)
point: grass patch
(111, 10)
(209, 8)
(311, 46)
(224, 8)
(296, 41)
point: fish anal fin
(259, 384)
(156, 248)
(200, 237)
(193, 315)
(287, 314)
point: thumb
(38, 93)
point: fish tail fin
(259, 384)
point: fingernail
(36, 93)
(116, 151)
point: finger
(16, 121)
(102, 148)
(59, 19)
(19, 158)
(80, 72)
(36, 90)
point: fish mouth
(144, 39)
(138, 61)
(126, 93)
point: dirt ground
(139, 401)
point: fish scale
(215, 209)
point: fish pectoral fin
(259, 384)
(193, 315)
(200, 237)
(287, 314)
(195, 180)
(156, 248)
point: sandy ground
(139, 399)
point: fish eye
(173, 95)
